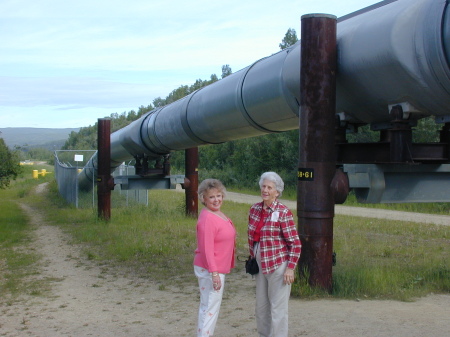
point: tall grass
(390, 259)
(375, 258)
(156, 241)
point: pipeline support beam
(104, 179)
(317, 157)
(191, 182)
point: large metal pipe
(394, 52)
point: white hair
(275, 178)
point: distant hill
(36, 137)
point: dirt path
(91, 300)
(358, 211)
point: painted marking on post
(305, 174)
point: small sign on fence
(78, 157)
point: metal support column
(104, 179)
(400, 137)
(191, 181)
(444, 137)
(317, 156)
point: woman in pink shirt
(214, 256)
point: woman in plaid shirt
(274, 241)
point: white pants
(210, 301)
(272, 301)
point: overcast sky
(64, 64)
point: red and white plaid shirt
(279, 240)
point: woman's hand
(289, 276)
(217, 283)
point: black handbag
(251, 266)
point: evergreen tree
(9, 165)
(226, 70)
(289, 39)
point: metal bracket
(136, 182)
(399, 183)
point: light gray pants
(272, 301)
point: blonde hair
(209, 184)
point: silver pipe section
(394, 52)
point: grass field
(375, 258)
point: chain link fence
(131, 196)
(68, 164)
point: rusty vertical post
(191, 181)
(104, 179)
(444, 137)
(317, 156)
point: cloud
(116, 54)
(70, 91)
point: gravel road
(357, 211)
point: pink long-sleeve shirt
(216, 239)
